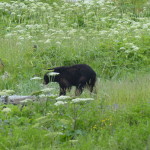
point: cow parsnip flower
(9, 92)
(47, 90)
(78, 100)
(60, 103)
(6, 110)
(53, 74)
(36, 78)
(62, 97)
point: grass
(113, 38)
(118, 115)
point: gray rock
(15, 99)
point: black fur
(80, 75)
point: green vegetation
(112, 37)
(118, 118)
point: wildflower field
(113, 37)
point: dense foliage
(112, 36)
(116, 118)
(108, 32)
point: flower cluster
(6, 110)
(60, 103)
(6, 92)
(53, 74)
(78, 100)
(60, 100)
(62, 97)
(96, 15)
(36, 78)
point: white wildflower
(43, 8)
(6, 110)
(18, 15)
(78, 100)
(82, 38)
(47, 90)
(5, 76)
(53, 74)
(29, 37)
(29, 26)
(8, 35)
(62, 97)
(122, 48)
(54, 134)
(66, 38)
(135, 48)
(60, 103)
(62, 24)
(52, 96)
(13, 13)
(9, 92)
(33, 41)
(18, 27)
(8, 28)
(21, 38)
(31, 0)
(58, 43)
(18, 43)
(129, 44)
(43, 96)
(146, 26)
(3, 93)
(47, 41)
(40, 41)
(103, 8)
(72, 31)
(74, 24)
(116, 32)
(47, 35)
(73, 141)
(36, 78)
(103, 32)
(103, 19)
(137, 37)
(55, 4)
(127, 51)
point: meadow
(112, 36)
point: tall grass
(118, 115)
(129, 91)
(84, 31)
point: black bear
(80, 75)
